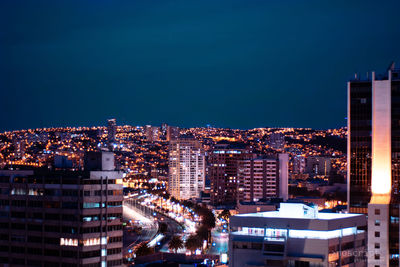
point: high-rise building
(164, 128)
(297, 235)
(152, 133)
(62, 217)
(263, 178)
(223, 171)
(111, 132)
(186, 176)
(318, 166)
(19, 148)
(172, 133)
(299, 164)
(374, 161)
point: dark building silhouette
(62, 217)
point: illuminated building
(299, 164)
(297, 235)
(111, 132)
(19, 148)
(186, 176)
(318, 166)
(172, 133)
(152, 133)
(164, 129)
(223, 171)
(62, 217)
(374, 161)
(263, 178)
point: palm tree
(193, 242)
(208, 219)
(176, 243)
(202, 232)
(143, 249)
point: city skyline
(222, 133)
(226, 64)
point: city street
(219, 243)
(145, 205)
(132, 239)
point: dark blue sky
(229, 63)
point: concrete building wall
(381, 176)
(283, 176)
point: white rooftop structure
(297, 234)
(298, 211)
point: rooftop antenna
(392, 66)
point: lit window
(68, 242)
(91, 205)
(91, 242)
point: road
(150, 226)
(174, 228)
(149, 229)
(221, 241)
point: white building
(186, 168)
(381, 176)
(297, 235)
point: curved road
(149, 229)
(220, 240)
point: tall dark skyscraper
(374, 159)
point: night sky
(228, 63)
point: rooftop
(298, 216)
(298, 211)
(395, 72)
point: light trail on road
(132, 214)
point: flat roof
(320, 216)
(298, 216)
